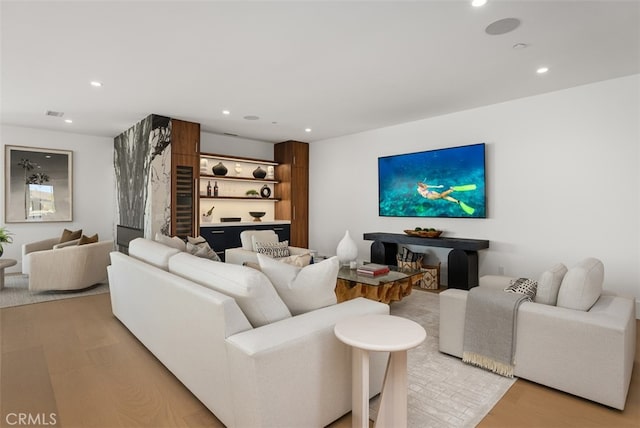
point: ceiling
(335, 67)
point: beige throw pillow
(549, 285)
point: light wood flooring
(73, 359)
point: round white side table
(380, 333)
(5, 263)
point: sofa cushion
(199, 247)
(250, 288)
(303, 289)
(88, 239)
(171, 241)
(68, 235)
(273, 249)
(247, 238)
(299, 260)
(549, 284)
(152, 252)
(582, 285)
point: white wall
(93, 186)
(235, 146)
(562, 181)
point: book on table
(372, 269)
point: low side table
(5, 263)
(385, 333)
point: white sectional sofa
(584, 348)
(241, 353)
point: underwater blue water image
(436, 183)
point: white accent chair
(247, 253)
(71, 267)
(45, 244)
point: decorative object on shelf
(259, 172)
(238, 168)
(208, 215)
(229, 219)
(347, 251)
(208, 188)
(219, 169)
(5, 238)
(257, 215)
(252, 193)
(271, 172)
(265, 191)
(203, 166)
(424, 233)
(215, 189)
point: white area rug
(443, 391)
(16, 292)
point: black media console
(463, 257)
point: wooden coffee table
(387, 288)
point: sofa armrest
(239, 256)
(496, 281)
(27, 249)
(295, 371)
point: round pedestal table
(386, 333)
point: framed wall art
(38, 185)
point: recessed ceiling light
(519, 46)
(502, 26)
(68, 121)
(542, 70)
(226, 112)
(251, 117)
(478, 3)
(307, 130)
(96, 84)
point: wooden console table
(462, 260)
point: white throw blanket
(490, 329)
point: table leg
(1, 278)
(360, 389)
(393, 400)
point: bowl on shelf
(257, 215)
(424, 233)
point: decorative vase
(259, 172)
(347, 251)
(265, 191)
(219, 169)
(270, 172)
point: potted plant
(252, 193)
(5, 238)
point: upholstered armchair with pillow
(72, 267)
(573, 336)
(260, 241)
(68, 238)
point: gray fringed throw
(490, 329)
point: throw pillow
(524, 286)
(171, 241)
(88, 239)
(261, 236)
(199, 247)
(303, 289)
(549, 285)
(299, 260)
(275, 250)
(68, 235)
(582, 285)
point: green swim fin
(464, 188)
(466, 208)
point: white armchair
(247, 253)
(44, 245)
(70, 268)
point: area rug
(443, 391)
(16, 292)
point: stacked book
(372, 269)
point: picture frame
(38, 185)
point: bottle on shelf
(215, 189)
(209, 188)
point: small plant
(6, 237)
(251, 192)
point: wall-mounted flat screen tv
(446, 182)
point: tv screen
(446, 182)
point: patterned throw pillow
(524, 286)
(274, 250)
(199, 247)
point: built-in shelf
(237, 159)
(241, 198)
(231, 178)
